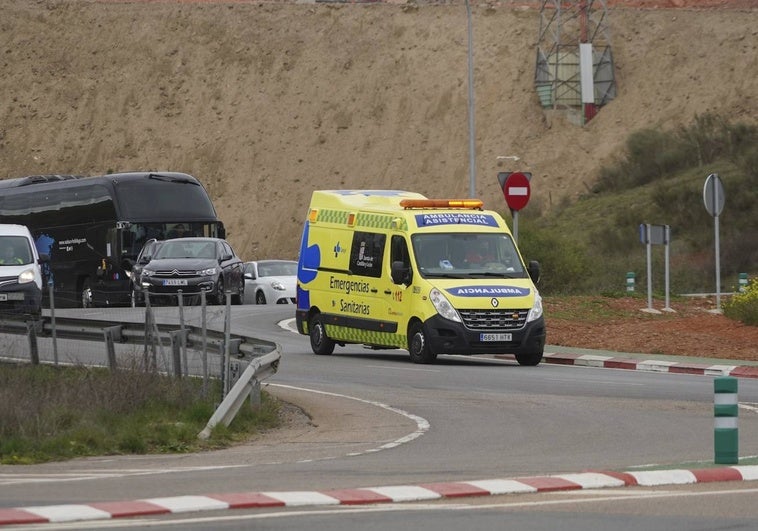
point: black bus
(93, 227)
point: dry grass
(52, 413)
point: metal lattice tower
(574, 36)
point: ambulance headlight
(536, 311)
(443, 306)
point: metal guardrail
(248, 384)
(262, 356)
(134, 333)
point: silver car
(270, 281)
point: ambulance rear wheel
(418, 346)
(320, 343)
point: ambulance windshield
(467, 255)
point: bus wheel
(530, 359)
(418, 346)
(320, 343)
(86, 294)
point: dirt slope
(266, 102)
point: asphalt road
(379, 420)
(682, 508)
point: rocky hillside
(266, 102)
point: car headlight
(277, 285)
(443, 306)
(147, 272)
(536, 311)
(26, 276)
(211, 271)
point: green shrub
(743, 307)
(588, 245)
(651, 154)
(563, 264)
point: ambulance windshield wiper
(444, 275)
(499, 275)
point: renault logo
(494, 302)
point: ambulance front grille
(494, 319)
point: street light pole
(471, 149)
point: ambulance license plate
(175, 282)
(495, 337)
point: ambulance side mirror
(534, 270)
(401, 273)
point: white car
(21, 277)
(270, 282)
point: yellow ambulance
(393, 269)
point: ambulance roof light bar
(442, 203)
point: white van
(20, 272)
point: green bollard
(725, 435)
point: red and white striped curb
(364, 496)
(611, 362)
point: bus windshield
(168, 197)
(467, 255)
(137, 234)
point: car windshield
(467, 255)
(277, 269)
(186, 249)
(15, 250)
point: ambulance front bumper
(450, 337)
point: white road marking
(422, 425)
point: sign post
(516, 190)
(656, 235)
(713, 196)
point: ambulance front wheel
(418, 346)
(529, 359)
(320, 343)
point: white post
(471, 132)
(718, 257)
(649, 269)
(227, 341)
(515, 226)
(667, 240)
(204, 322)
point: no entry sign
(516, 191)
